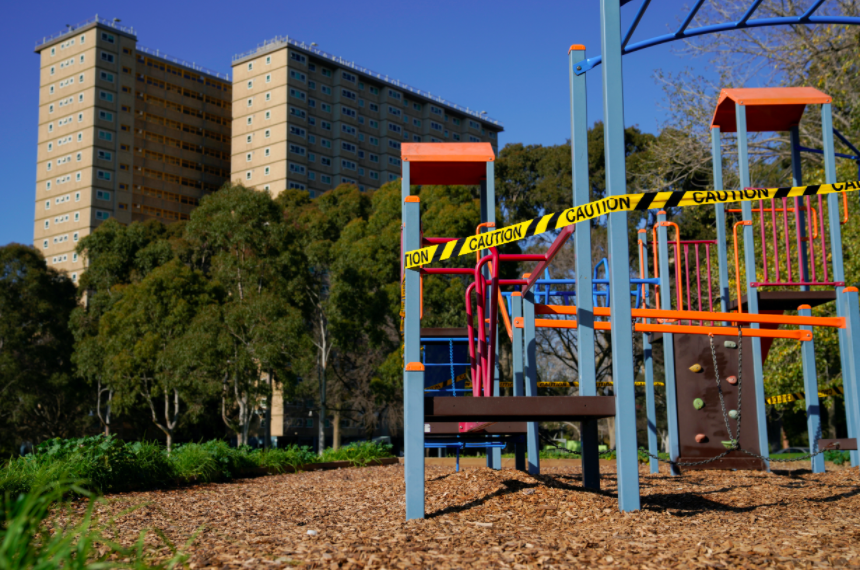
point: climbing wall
(701, 424)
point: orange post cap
(577, 47)
(412, 199)
(516, 294)
(414, 367)
(526, 275)
(804, 307)
(850, 290)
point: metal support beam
(530, 365)
(627, 457)
(413, 380)
(635, 23)
(648, 365)
(586, 365)
(752, 293)
(852, 340)
(797, 180)
(722, 240)
(810, 389)
(518, 379)
(850, 380)
(668, 345)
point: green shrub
(357, 453)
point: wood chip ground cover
(506, 519)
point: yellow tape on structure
(626, 203)
(789, 398)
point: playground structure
(708, 333)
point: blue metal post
(849, 380)
(852, 341)
(722, 241)
(413, 374)
(668, 344)
(582, 246)
(627, 458)
(810, 388)
(517, 357)
(530, 364)
(488, 214)
(648, 363)
(797, 180)
(752, 293)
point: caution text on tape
(626, 203)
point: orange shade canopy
(447, 163)
(767, 109)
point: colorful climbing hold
(730, 344)
(732, 380)
(698, 403)
(696, 368)
(733, 414)
(700, 437)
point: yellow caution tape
(626, 203)
(789, 398)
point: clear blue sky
(508, 58)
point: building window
(325, 179)
(268, 78)
(104, 135)
(74, 237)
(250, 66)
(326, 143)
(108, 57)
(298, 57)
(250, 120)
(248, 175)
(348, 164)
(348, 129)
(50, 147)
(268, 115)
(102, 215)
(325, 161)
(296, 149)
(348, 112)
(395, 128)
(47, 224)
(105, 37)
(393, 161)
(268, 133)
(298, 94)
(297, 168)
(105, 116)
(266, 152)
(250, 101)
(348, 147)
(103, 175)
(104, 155)
(298, 76)
(298, 131)
(394, 144)
(104, 75)
(268, 60)
(49, 166)
(78, 157)
(374, 141)
(77, 218)
(45, 244)
(249, 156)
(248, 138)
(77, 196)
(251, 84)
(298, 113)
(78, 177)
(266, 171)
(268, 96)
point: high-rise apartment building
(124, 132)
(303, 118)
(134, 134)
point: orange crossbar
(682, 329)
(833, 322)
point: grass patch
(108, 464)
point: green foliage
(33, 537)
(106, 464)
(39, 390)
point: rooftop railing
(71, 30)
(182, 62)
(284, 40)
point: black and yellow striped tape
(626, 203)
(789, 398)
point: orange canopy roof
(447, 163)
(768, 109)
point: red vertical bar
(687, 271)
(710, 293)
(699, 281)
(775, 239)
(797, 227)
(763, 240)
(822, 233)
(787, 241)
(809, 213)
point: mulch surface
(354, 518)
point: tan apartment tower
(125, 132)
(306, 119)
